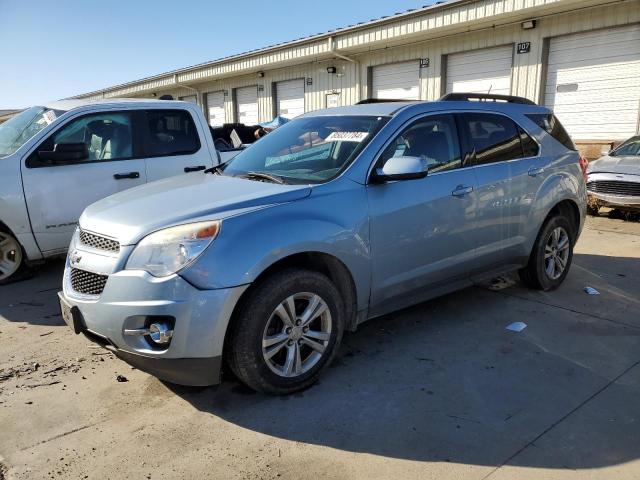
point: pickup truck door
(174, 143)
(57, 191)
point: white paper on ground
(517, 326)
(591, 291)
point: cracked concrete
(440, 390)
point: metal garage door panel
(290, 97)
(215, 108)
(247, 105)
(592, 82)
(397, 80)
(480, 71)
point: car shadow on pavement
(446, 382)
(34, 300)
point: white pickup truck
(58, 158)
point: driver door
(58, 191)
(422, 229)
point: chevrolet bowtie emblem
(75, 257)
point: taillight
(583, 166)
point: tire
(12, 264)
(264, 342)
(538, 273)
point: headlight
(167, 251)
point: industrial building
(581, 58)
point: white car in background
(614, 179)
(58, 158)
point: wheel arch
(316, 261)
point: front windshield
(307, 150)
(16, 131)
(630, 147)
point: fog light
(160, 333)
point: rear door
(57, 192)
(172, 143)
(509, 172)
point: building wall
(351, 80)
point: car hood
(624, 164)
(130, 215)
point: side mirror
(401, 168)
(65, 152)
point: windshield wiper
(218, 169)
(263, 176)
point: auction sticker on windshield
(49, 116)
(346, 137)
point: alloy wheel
(296, 334)
(10, 255)
(556, 253)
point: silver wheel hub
(297, 334)
(10, 255)
(556, 253)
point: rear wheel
(11, 258)
(551, 256)
(287, 332)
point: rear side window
(495, 138)
(529, 145)
(550, 124)
(170, 132)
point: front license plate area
(71, 315)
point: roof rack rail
(383, 100)
(483, 97)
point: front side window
(307, 150)
(170, 132)
(107, 136)
(433, 139)
(495, 138)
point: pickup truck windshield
(17, 130)
(306, 150)
(630, 147)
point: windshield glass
(307, 150)
(16, 131)
(630, 147)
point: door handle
(120, 176)
(461, 190)
(533, 171)
(196, 168)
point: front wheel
(287, 332)
(551, 255)
(11, 258)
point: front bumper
(130, 297)
(614, 200)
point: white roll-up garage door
(396, 80)
(487, 70)
(215, 108)
(247, 105)
(593, 82)
(290, 98)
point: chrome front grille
(99, 242)
(88, 283)
(614, 187)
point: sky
(52, 49)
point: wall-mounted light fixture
(331, 70)
(528, 25)
(260, 74)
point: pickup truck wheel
(287, 332)
(11, 258)
(551, 256)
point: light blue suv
(337, 217)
